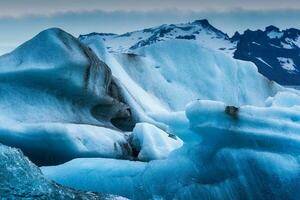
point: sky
(20, 20)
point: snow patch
(275, 34)
(261, 60)
(287, 63)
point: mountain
(199, 30)
(274, 52)
(178, 118)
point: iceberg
(234, 158)
(168, 120)
(20, 179)
(59, 101)
(152, 143)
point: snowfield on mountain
(156, 117)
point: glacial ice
(237, 132)
(240, 130)
(235, 158)
(54, 143)
(54, 95)
(20, 179)
(186, 71)
(152, 143)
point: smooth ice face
(152, 143)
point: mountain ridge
(275, 52)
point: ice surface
(20, 179)
(54, 143)
(244, 153)
(237, 132)
(55, 95)
(98, 174)
(153, 143)
(182, 71)
(240, 130)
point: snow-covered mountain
(200, 31)
(274, 52)
(177, 118)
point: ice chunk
(153, 143)
(54, 94)
(20, 179)
(241, 140)
(284, 99)
(168, 75)
(243, 152)
(259, 128)
(99, 174)
(54, 143)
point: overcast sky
(20, 20)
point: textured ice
(54, 95)
(98, 174)
(152, 143)
(237, 132)
(234, 158)
(53, 143)
(181, 71)
(20, 179)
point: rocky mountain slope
(276, 53)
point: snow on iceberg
(152, 143)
